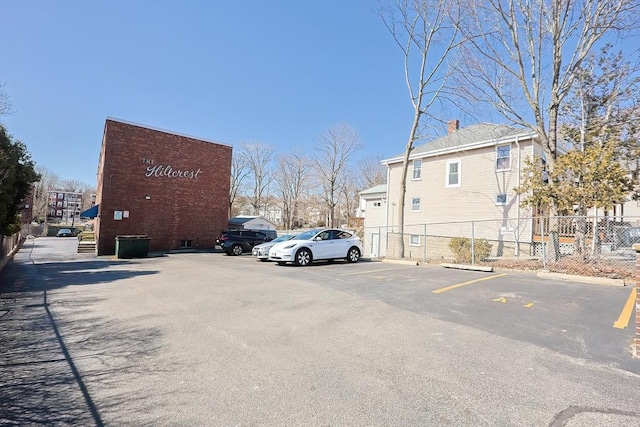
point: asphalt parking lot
(208, 339)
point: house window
(501, 199)
(377, 204)
(415, 204)
(503, 157)
(185, 244)
(453, 173)
(417, 169)
(414, 240)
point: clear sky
(275, 72)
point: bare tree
(73, 186)
(239, 172)
(524, 56)
(5, 103)
(291, 177)
(349, 199)
(257, 158)
(427, 32)
(332, 154)
(371, 171)
(49, 181)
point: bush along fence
(8, 246)
(593, 246)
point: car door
(341, 243)
(255, 238)
(322, 246)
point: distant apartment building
(26, 207)
(63, 207)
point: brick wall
(167, 186)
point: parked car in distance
(235, 242)
(318, 244)
(261, 251)
(65, 232)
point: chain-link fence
(587, 245)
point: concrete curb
(484, 268)
(401, 261)
(581, 279)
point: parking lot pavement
(207, 339)
(576, 319)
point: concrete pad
(582, 279)
(486, 268)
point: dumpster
(135, 246)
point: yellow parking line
(373, 271)
(448, 288)
(623, 320)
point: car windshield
(307, 235)
(282, 238)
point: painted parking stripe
(459, 285)
(623, 320)
(374, 271)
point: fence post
(424, 248)
(473, 242)
(636, 340)
(544, 251)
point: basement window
(185, 244)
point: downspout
(517, 233)
(386, 220)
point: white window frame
(418, 169)
(506, 199)
(448, 174)
(413, 204)
(377, 204)
(498, 147)
(411, 238)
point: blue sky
(275, 72)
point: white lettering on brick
(170, 172)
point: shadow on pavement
(55, 358)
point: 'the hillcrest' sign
(158, 170)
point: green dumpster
(135, 246)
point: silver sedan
(261, 251)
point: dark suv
(235, 242)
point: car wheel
(264, 259)
(236, 249)
(353, 255)
(303, 257)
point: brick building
(63, 206)
(171, 187)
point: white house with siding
(373, 205)
(467, 175)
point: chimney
(454, 125)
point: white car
(261, 251)
(317, 244)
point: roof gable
(466, 138)
(382, 188)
